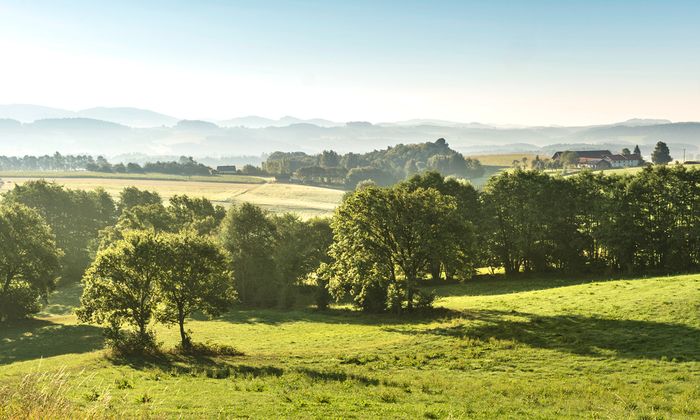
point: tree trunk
(185, 339)
(435, 270)
(410, 281)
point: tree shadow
(586, 336)
(336, 316)
(219, 368)
(36, 338)
(489, 285)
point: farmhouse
(590, 154)
(226, 169)
(598, 159)
(593, 163)
(624, 161)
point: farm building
(590, 154)
(624, 161)
(593, 163)
(226, 169)
(599, 159)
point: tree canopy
(29, 261)
(661, 155)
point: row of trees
(57, 162)
(383, 167)
(647, 222)
(378, 248)
(387, 239)
(150, 261)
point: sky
(564, 62)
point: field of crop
(246, 179)
(497, 348)
(504, 159)
(304, 200)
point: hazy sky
(521, 62)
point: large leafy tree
(457, 251)
(383, 240)
(29, 261)
(75, 217)
(121, 285)
(131, 197)
(182, 213)
(196, 213)
(196, 277)
(249, 235)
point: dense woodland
(142, 261)
(383, 167)
(58, 162)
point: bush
(19, 302)
(207, 349)
(372, 297)
(131, 343)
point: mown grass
(494, 347)
(307, 201)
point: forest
(383, 167)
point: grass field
(496, 348)
(304, 200)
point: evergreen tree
(661, 155)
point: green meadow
(491, 348)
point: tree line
(383, 167)
(142, 261)
(57, 162)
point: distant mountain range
(31, 129)
(132, 117)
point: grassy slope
(498, 348)
(304, 200)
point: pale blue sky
(520, 62)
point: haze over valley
(32, 129)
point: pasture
(492, 347)
(307, 201)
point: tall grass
(43, 395)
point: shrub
(207, 349)
(131, 343)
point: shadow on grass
(178, 365)
(336, 316)
(489, 285)
(580, 335)
(36, 338)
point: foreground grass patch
(495, 348)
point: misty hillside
(132, 117)
(122, 130)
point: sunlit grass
(495, 347)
